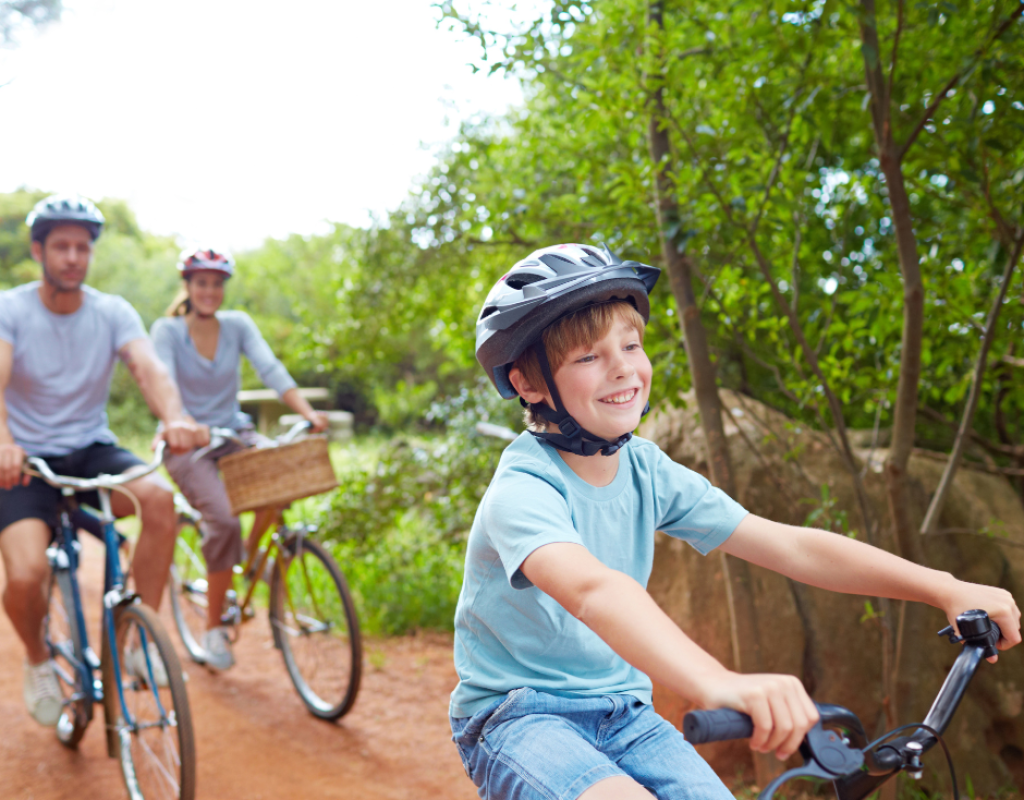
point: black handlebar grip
(719, 725)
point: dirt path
(254, 739)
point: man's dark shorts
(39, 500)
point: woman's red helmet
(206, 258)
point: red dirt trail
(254, 738)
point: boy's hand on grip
(778, 705)
(999, 604)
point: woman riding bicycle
(202, 347)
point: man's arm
(162, 396)
(841, 564)
(620, 611)
(11, 455)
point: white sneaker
(42, 693)
(134, 664)
(217, 644)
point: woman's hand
(778, 705)
(319, 420)
(998, 603)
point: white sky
(227, 121)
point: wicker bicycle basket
(276, 476)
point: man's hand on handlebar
(999, 604)
(778, 705)
(318, 421)
(183, 435)
(11, 459)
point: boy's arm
(620, 611)
(840, 564)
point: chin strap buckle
(569, 427)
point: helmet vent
(554, 261)
(519, 281)
(488, 311)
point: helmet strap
(572, 437)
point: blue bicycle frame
(63, 556)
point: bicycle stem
(893, 756)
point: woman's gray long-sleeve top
(209, 389)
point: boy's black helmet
(62, 209)
(545, 286)
(542, 288)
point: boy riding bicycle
(556, 638)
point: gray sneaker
(135, 665)
(42, 693)
(217, 644)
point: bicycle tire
(167, 770)
(315, 626)
(187, 589)
(64, 641)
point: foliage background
(775, 173)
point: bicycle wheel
(187, 588)
(315, 626)
(154, 741)
(64, 639)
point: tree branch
(934, 105)
(895, 45)
(939, 498)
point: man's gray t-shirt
(60, 379)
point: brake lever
(827, 755)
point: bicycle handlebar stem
(979, 636)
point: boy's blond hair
(581, 328)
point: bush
(398, 527)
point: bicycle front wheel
(315, 626)
(149, 725)
(187, 589)
(64, 639)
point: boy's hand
(779, 706)
(999, 604)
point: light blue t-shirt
(510, 634)
(209, 389)
(60, 380)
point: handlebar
(38, 468)
(840, 759)
(220, 436)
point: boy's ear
(522, 385)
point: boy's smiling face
(605, 386)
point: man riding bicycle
(59, 340)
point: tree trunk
(906, 542)
(905, 410)
(746, 641)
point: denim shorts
(532, 745)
